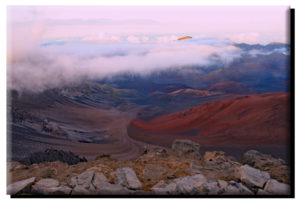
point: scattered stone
(50, 155)
(211, 188)
(256, 159)
(252, 177)
(155, 151)
(114, 189)
(186, 148)
(20, 186)
(218, 166)
(276, 188)
(235, 188)
(276, 167)
(169, 188)
(262, 192)
(99, 180)
(190, 184)
(85, 179)
(154, 172)
(50, 186)
(127, 177)
(222, 184)
(185, 185)
(88, 183)
(80, 190)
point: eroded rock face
(252, 177)
(186, 149)
(276, 188)
(276, 167)
(127, 177)
(20, 186)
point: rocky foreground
(155, 172)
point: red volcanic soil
(229, 87)
(262, 119)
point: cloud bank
(40, 66)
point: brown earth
(261, 120)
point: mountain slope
(246, 120)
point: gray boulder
(234, 188)
(99, 181)
(114, 189)
(276, 167)
(186, 148)
(165, 188)
(253, 178)
(256, 159)
(50, 186)
(88, 183)
(222, 184)
(80, 190)
(276, 188)
(211, 188)
(20, 186)
(262, 192)
(185, 185)
(190, 185)
(85, 179)
(127, 177)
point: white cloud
(49, 67)
(250, 38)
(133, 39)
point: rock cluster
(158, 173)
(186, 149)
(50, 155)
(276, 167)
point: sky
(50, 46)
(253, 24)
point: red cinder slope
(229, 87)
(246, 120)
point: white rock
(253, 177)
(114, 189)
(189, 184)
(127, 177)
(234, 188)
(80, 190)
(85, 179)
(262, 192)
(20, 186)
(222, 184)
(185, 185)
(211, 188)
(274, 187)
(99, 180)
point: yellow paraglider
(184, 38)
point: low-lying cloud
(41, 66)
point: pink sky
(251, 24)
